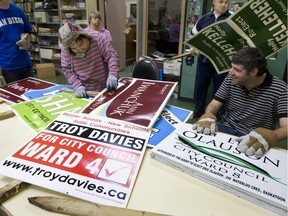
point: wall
(277, 66)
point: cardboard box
(45, 70)
(172, 67)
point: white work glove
(206, 124)
(111, 83)
(24, 42)
(81, 92)
(257, 142)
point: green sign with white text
(265, 24)
(259, 23)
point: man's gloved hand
(206, 123)
(257, 142)
(111, 83)
(81, 92)
(24, 42)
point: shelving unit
(28, 7)
(76, 10)
(46, 21)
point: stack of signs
(38, 102)
(261, 23)
(92, 158)
(94, 155)
(217, 161)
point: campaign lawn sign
(32, 94)
(217, 161)
(10, 97)
(39, 112)
(92, 158)
(12, 92)
(137, 101)
(260, 23)
(170, 117)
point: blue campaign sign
(166, 123)
(33, 94)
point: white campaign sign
(92, 158)
(216, 160)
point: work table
(158, 187)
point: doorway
(116, 16)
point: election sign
(12, 92)
(216, 160)
(92, 158)
(10, 97)
(137, 101)
(264, 23)
(22, 86)
(38, 113)
(170, 117)
(32, 94)
(259, 23)
(219, 42)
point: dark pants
(228, 130)
(19, 74)
(204, 73)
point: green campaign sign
(38, 113)
(259, 23)
(264, 23)
(218, 42)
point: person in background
(205, 70)
(254, 100)
(88, 60)
(132, 20)
(15, 60)
(174, 31)
(95, 20)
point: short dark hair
(250, 58)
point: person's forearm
(66, 64)
(211, 108)
(281, 133)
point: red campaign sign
(137, 101)
(22, 86)
(79, 156)
(7, 96)
(91, 158)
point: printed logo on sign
(116, 171)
